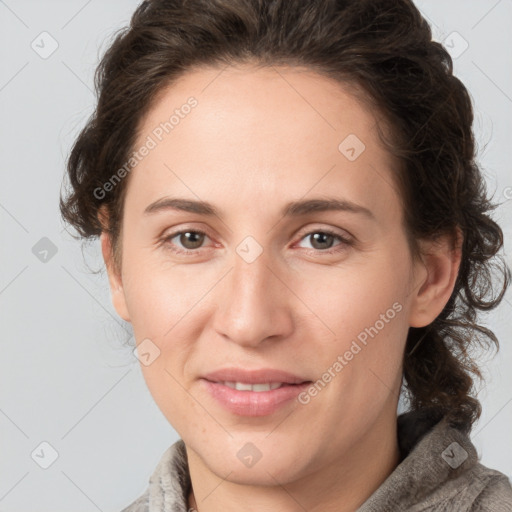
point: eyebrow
(292, 209)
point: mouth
(239, 378)
(257, 388)
(253, 393)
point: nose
(253, 303)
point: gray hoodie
(439, 471)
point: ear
(437, 273)
(114, 275)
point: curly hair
(383, 51)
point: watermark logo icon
(249, 454)
(146, 352)
(44, 455)
(44, 250)
(455, 44)
(351, 147)
(249, 249)
(454, 455)
(44, 45)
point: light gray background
(66, 378)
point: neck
(341, 486)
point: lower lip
(253, 403)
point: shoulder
(496, 491)
(168, 484)
(141, 504)
(440, 471)
(480, 489)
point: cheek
(349, 298)
(165, 307)
(361, 314)
(161, 307)
(157, 296)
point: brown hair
(382, 48)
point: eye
(191, 240)
(322, 241)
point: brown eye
(187, 240)
(191, 239)
(322, 241)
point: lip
(257, 376)
(253, 403)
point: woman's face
(260, 284)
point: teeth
(241, 386)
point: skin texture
(258, 139)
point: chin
(258, 462)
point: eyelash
(338, 248)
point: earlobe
(114, 277)
(440, 267)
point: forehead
(248, 94)
(269, 133)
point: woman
(293, 221)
